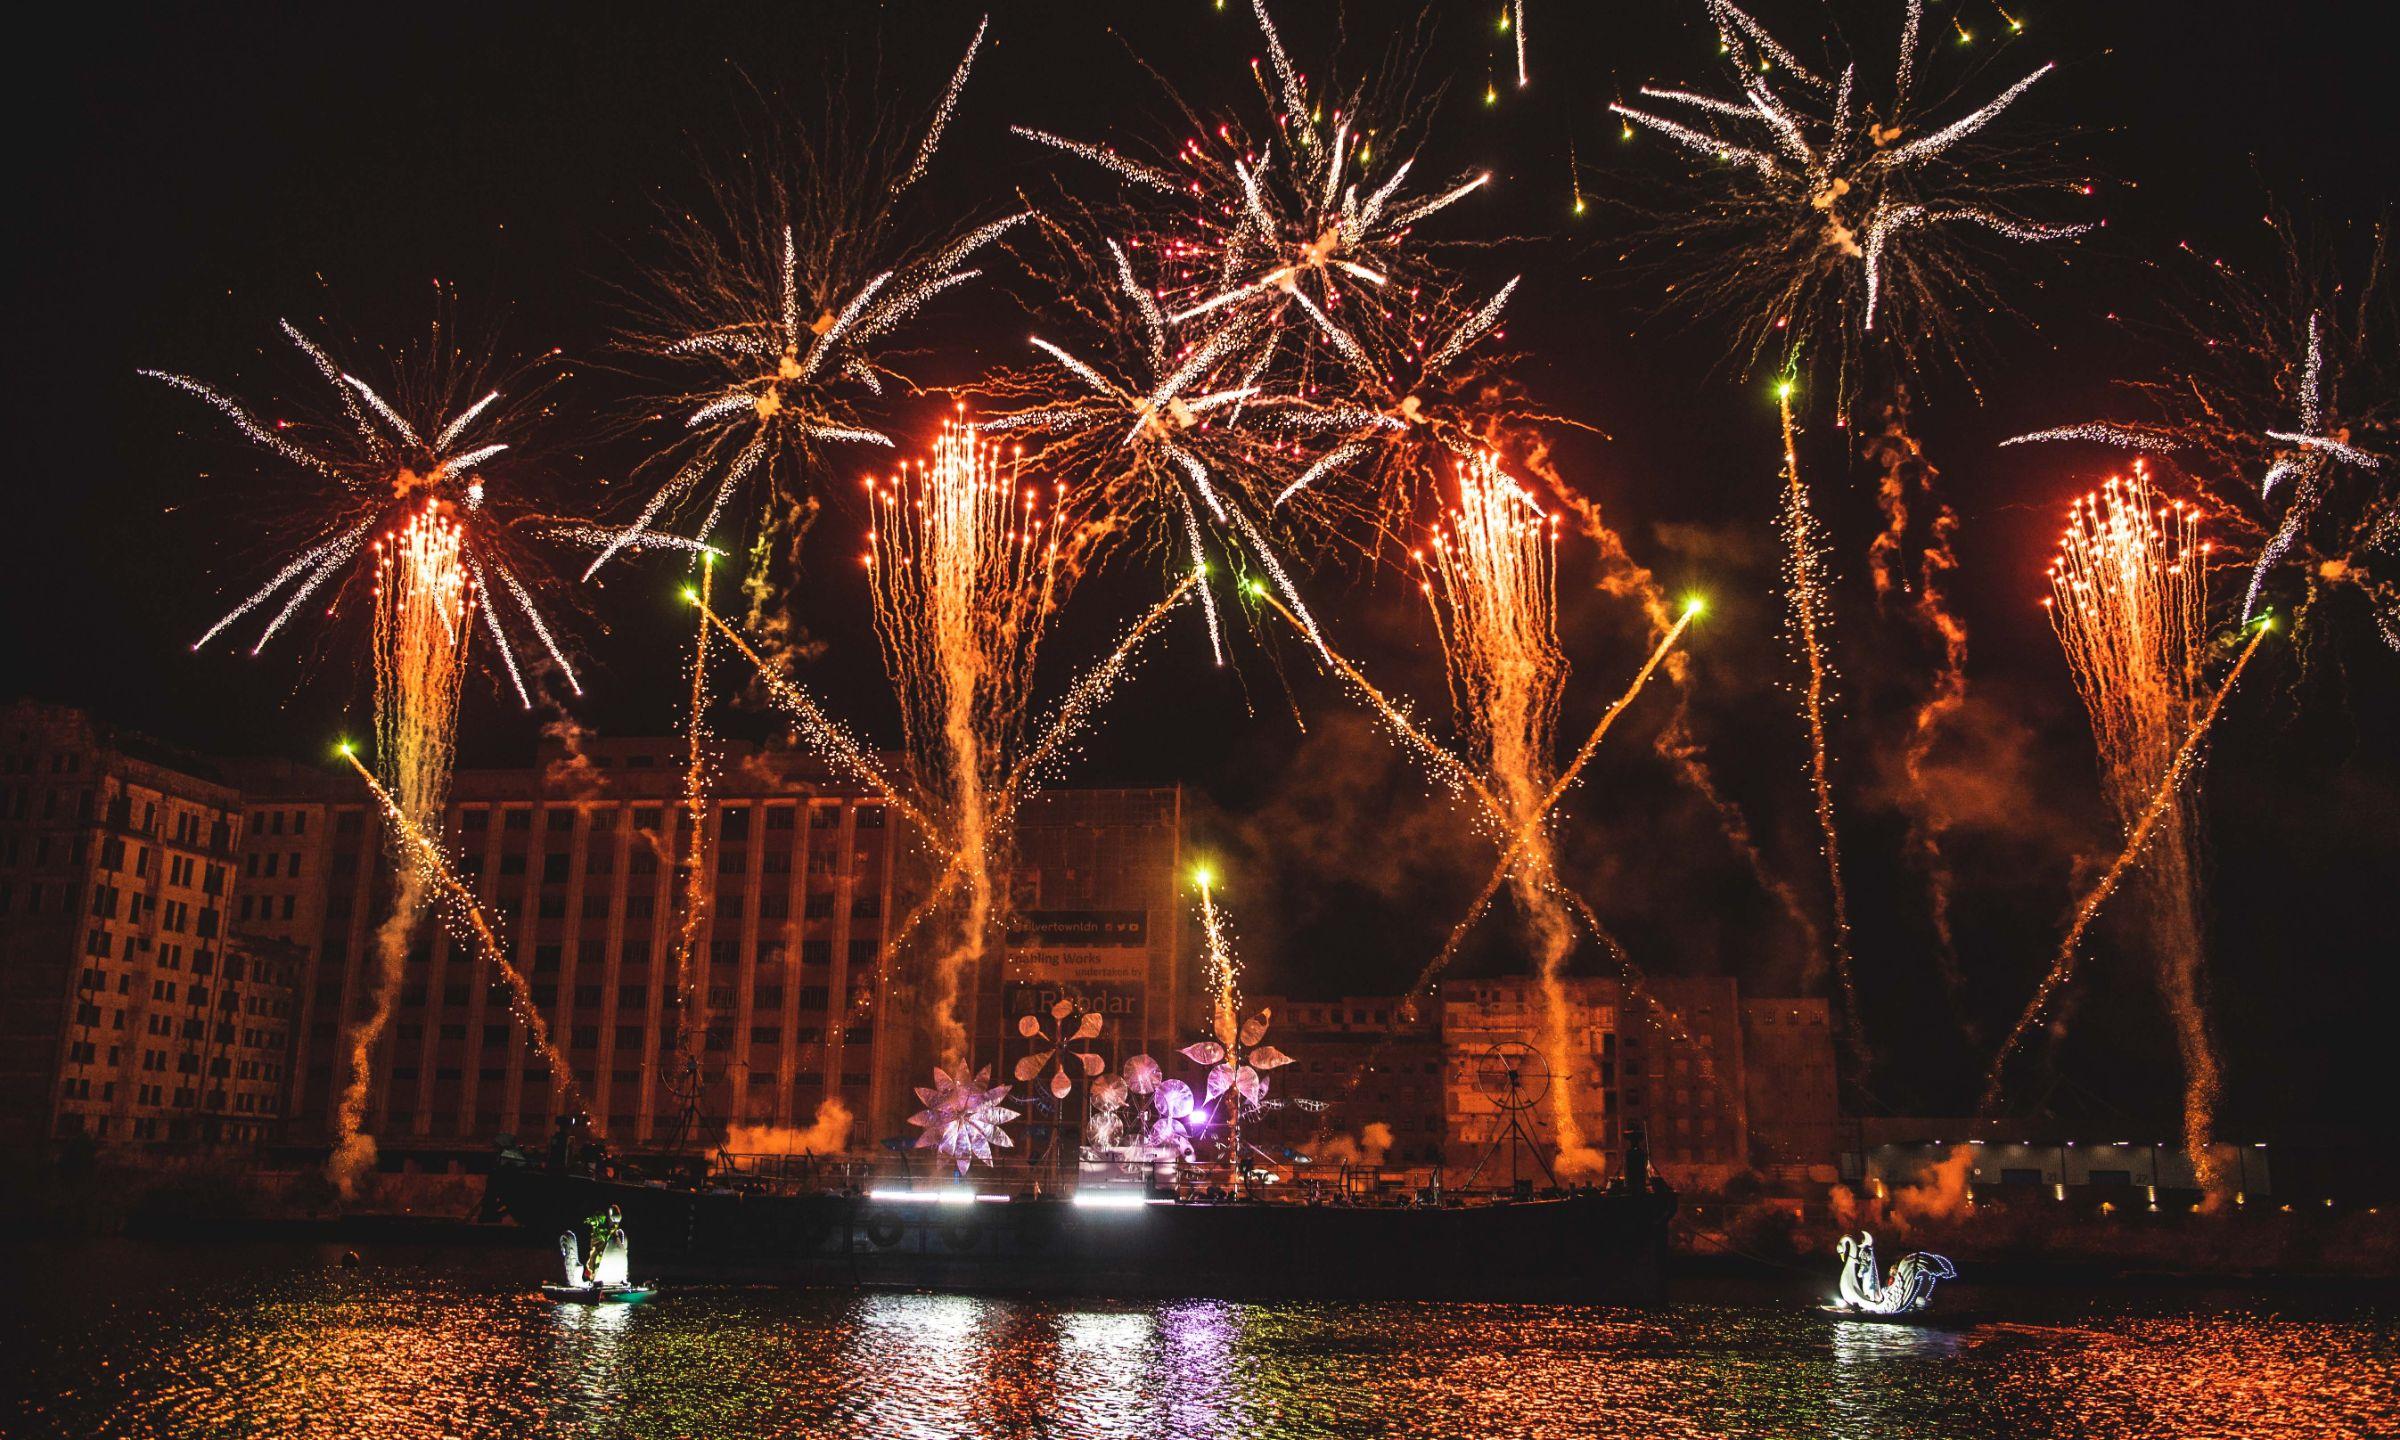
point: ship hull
(1578, 1249)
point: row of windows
(272, 822)
(262, 907)
(262, 863)
(733, 821)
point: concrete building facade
(129, 1012)
(1683, 1057)
(582, 866)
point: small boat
(1902, 1298)
(1915, 1319)
(605, 1282)
(599, 1294)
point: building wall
(127, 1013)
(1357, 1061)
(1671, 1057)
(1096, 920)
(581, 864)
(1793, 1095)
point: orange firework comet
(1491, 580)
(964, 580)
(2128, 600)
(835, 742)
(422, 601)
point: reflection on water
(141, 1341)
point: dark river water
(126, 1339)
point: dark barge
(1126, 1241)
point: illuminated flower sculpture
(963, 1118)
(1236, 1059)
(1141, 1107)
(1175, 1117)
(1105, 1129)
(1063, 1064)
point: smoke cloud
(1366, 1148)
(829, 1134)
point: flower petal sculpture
(1238, 1062)
(963, 1118)
(1064, 1064)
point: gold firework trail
(2162, 803)
(428, 857)
(423, 597)
(1803, 565)
(691, 987)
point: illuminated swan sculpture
(1909, 1289)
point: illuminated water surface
(134, 1340)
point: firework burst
(776, 314)
(2280, 407)
(1276, 355)
(1821, 214)
(402, 504)
(1171, 433)
(377, 466)
(1301, 228)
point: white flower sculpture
(1236, 1059)
(963, 1118)
(1166, 1114)
(1063, 1063)
(1174, 1117)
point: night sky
(190, 176)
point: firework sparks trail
(941, 115)
(1085, 697)
(1820, 212)
(964, 580)
(691, 987)
(1491, 582)
(1623, 577)
(1803, 568)
(2129, 592)
(1075, 714)
(1521, 843)
(1662, 1017)
(587, 535)
(1453, 772)
(1677, 746)
(422, 600)
(818, 730)
(1222, 980)
(426, 855)
(2162, 803)
(834, 742)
